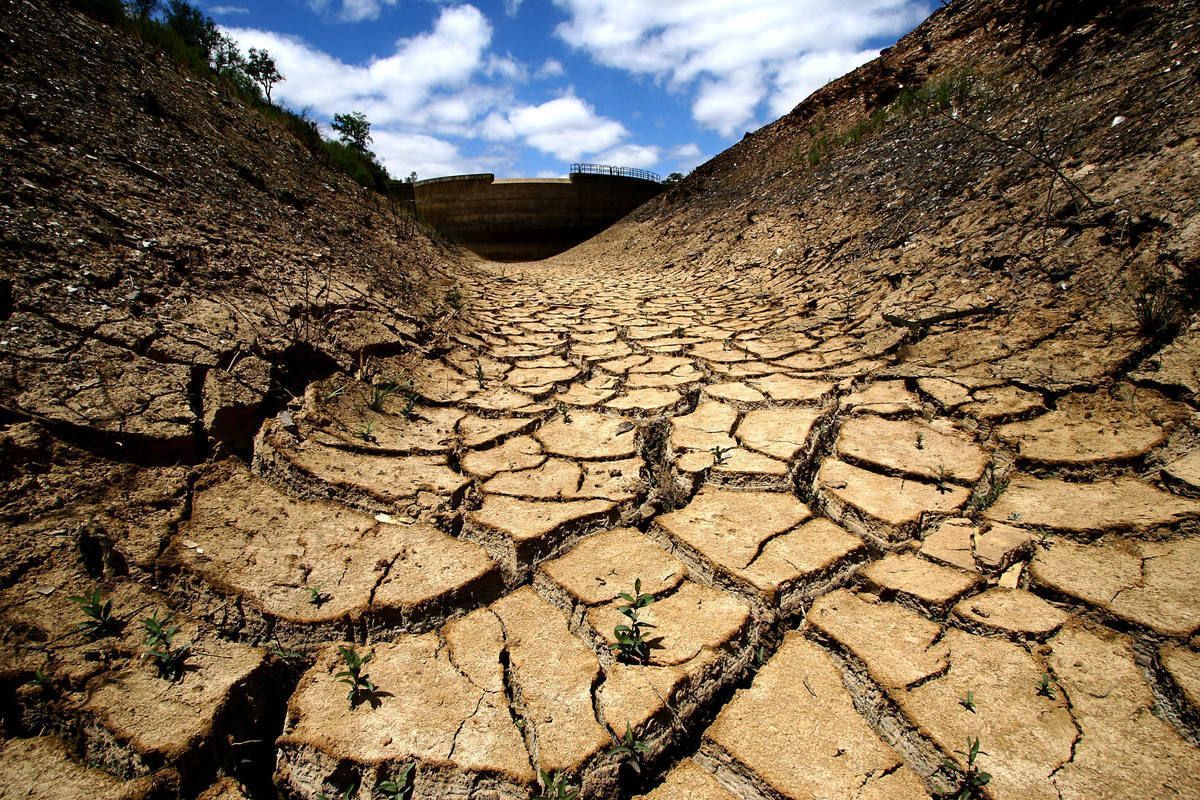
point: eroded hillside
(861, 465)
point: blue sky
(526, 87)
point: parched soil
(880, 435)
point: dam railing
(621, 172)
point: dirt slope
(876, 437)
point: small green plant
(1014, 516)
(943, 478)
(367, 431)
(317, 597)
(968, 702)
(40, 681)
(920, 441)
(279, 652)
(454, 298)
(554, 787)
(632, 645)
(760, 656)
(361, 688)
(160, 646)
(969, 781)
(400, 786)
(159, 632)
(380, 392)
(630, 750)
(480, 378)
(1045, 688)
(1157, 309)
(336, 392)
(563, 411)
(720, 454)
(99, 615)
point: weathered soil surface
(874, 422)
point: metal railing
(621, 172)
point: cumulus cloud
(566, 128)
(736, 56)
(223, 11)
(440, 85)
(631, 155)
(402, 87)
(428, 156)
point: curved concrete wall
(524, 219)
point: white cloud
(426, 81)
(685, 151)
(631, 155)
(428, 156)
(800, 78)
(511, 7)
(222, 11)
(351, 10)
(735, 56)
(566, 127)
(551, 68)
(506, 67)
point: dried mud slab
(689, 781)
(134, 722)
(795, 733)
(1122, 504)
(1150, 584)
(761, 543)
(934, 451)
(1085, 430)
(701, 639)
(440, 706)
(897, 647)
(1123, 749)
(374, 482)
(250, 542)
(1014, 612)
(519, 533)
(929, 586)
(1027, 736)
(136, 401)
(589, 436)
(1183, 667)
(41, 769)
(888, 509)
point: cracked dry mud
(888, 498)
(827, 595)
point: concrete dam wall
(524, 219)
